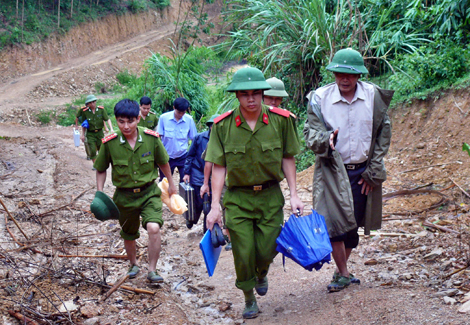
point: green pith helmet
(211, 120)
(90, 98)
(248, 79)
(277, 90)
(347, 61)
(103, 207)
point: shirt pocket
(121, 167)
(272, 151)
(147, 164)
(169, 132)
(234, 155)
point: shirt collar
(336, 96)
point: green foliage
(44, 117)
(430, 66)
(67, 117)
(136, 6)
(184, 74)
(40, 17)
(160, 4)
(466, 147)
(125, 78)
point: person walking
(253, 149)
(96, 118)
(349, 131)
(134, 153)
(176, 128)
(148, 119)
(277, 93)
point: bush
(443, 62)
(136, 6)
(44, 117)
(125, 78)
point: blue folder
(211, 254)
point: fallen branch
(391, 195)
(11, 217)
(114, 288)
(423, 167)
(120, 257)
(136, 290)
(463, 191)
(457, 271)
(441, 228)
(65, 205)
(23, 319)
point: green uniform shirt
(150, 121)
(132, 167)
(95, 121)
(253, 157)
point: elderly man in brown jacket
(349, 131)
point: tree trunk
(22, 23)
(71, 9)
(58, 15)
(17, 9)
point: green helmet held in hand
(248, 79)
(347, 61)
(103, 208)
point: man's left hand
(366, 187)
(186, 178)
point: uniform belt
(137, 189)
(355, 166)
(260, 187)
(97, 130)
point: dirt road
(41, 171)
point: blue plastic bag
(86, 125)
(305, 240)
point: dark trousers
(351, 238)
(176, 163)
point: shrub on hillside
(429, 67)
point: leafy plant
(44, 117)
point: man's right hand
(333, 137)
(215, 216)
(204, 189)
(186, 178)
(82, 138)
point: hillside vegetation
(30, 21)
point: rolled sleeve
(215, 149)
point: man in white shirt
(349, 131)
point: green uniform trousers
(146, 203)
(93, 143)
(254, 220)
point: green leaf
(466, 147)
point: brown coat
(332, 196)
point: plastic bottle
(76, 137)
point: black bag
(187, 193)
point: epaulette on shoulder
(221, 117)
(84, 108)
(109, 137)
(150, 132)
(102, 107)
(281, 111)
(152, 113)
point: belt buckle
(257, 187)
(351, 167)
(136, 190)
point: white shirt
(353, 119)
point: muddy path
(47, 185)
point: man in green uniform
(148, 119)
(277, 93)
(96, 116)
(134, 154)
(253, 148)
